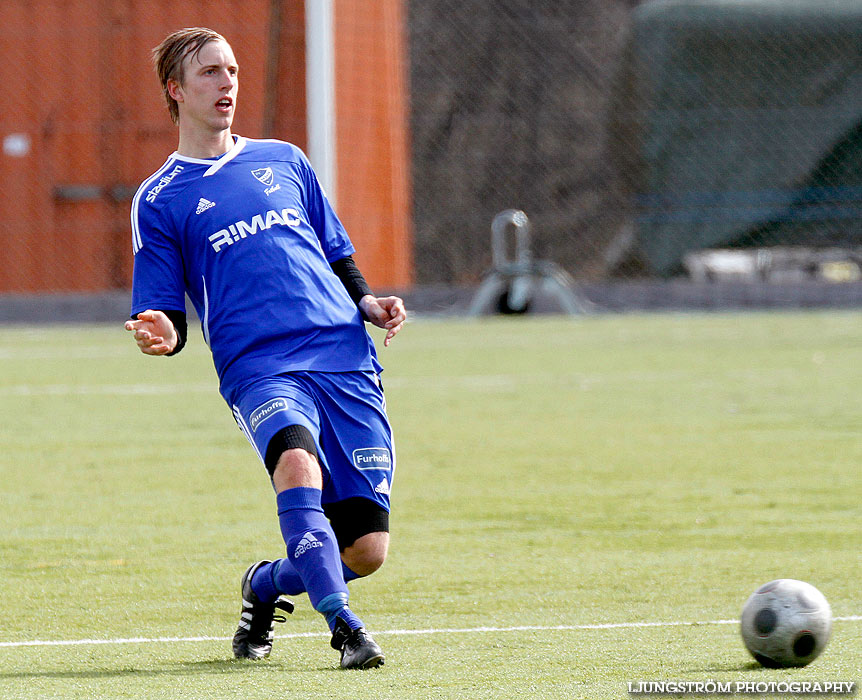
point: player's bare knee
(296, 468)
(291, 459)
(362, 529)
(367, 554)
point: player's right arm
(158, 321)
(159, 332)
(153, 332)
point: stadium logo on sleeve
(267, 410)
(369, 458)
(163, 182)
(266, 177)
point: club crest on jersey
(260, 222)
(266, 177)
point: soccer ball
(786, 623)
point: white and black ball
(786, 623)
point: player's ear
(175, 90)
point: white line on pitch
(455, 630)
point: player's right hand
(153, 332)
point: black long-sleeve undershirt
(345, 269)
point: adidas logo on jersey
(383, 487)
(308, 541)
(203, 205)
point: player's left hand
(384, 312)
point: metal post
(320, 92)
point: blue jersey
(249, 236)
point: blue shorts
(345, 413)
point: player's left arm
(384, 312)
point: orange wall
(371, 134)
(80, 86)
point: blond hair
(169, 55)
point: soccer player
(243, 228)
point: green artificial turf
(561, 485)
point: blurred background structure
(667, 152)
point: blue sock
(348, 574)
(263, 584)
(312, 550)
(280, 578)
(334, 606)
(287, 580)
